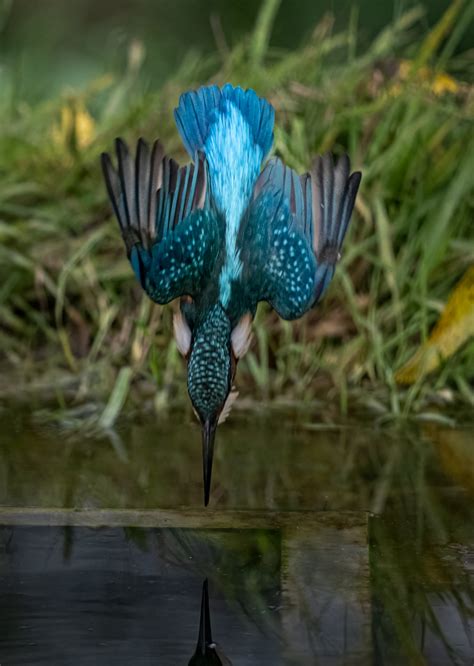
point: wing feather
(158, 205)
(305, 219)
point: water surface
(351, 545)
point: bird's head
(212, 351)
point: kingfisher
(226, 231)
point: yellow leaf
(76, 128)
(454, 328)
(443, 83)
(438, 83)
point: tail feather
(197, 111)
(194, 115)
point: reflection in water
(295, 579)
(422, 595)
(208, 653)
(76, 596)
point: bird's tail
(198, 110)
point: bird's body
(222, 235)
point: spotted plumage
(221, 234)
(209, 368)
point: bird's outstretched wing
(170, 239)
(295, 232)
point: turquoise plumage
(222, 235)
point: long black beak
(205, 634)
(208, 437)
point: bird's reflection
(208, 653)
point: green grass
(71, 315)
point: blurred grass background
(393, 87)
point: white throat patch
(182, 333)
(231, 398)
(241, 336)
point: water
(343, 546)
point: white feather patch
(241, 336)
(182, 333)
(231, 398)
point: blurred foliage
(45, 47)
(71, 314)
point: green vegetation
(75, 328)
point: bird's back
(233, 128)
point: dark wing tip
(328, 160)
(121, 149)
(112, 184)
(342, 162)
(343, 167)
(334, 193)
(317, 165)
(354, 180)
(352, 189)
(106, 163)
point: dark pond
(346, 546)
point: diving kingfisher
(221, 234)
